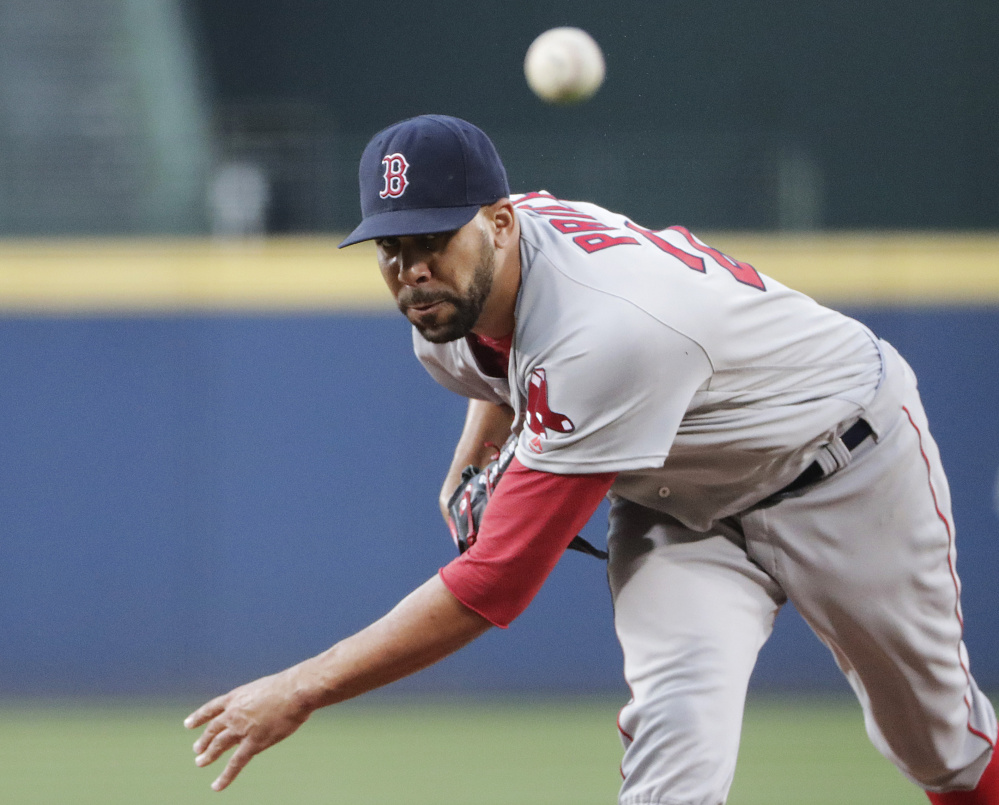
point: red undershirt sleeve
(527, 526)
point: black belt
(854, 435)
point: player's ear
(504, 221)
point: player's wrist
(309, 687)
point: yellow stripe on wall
(883, 269)
(278, 274)
(311, 274)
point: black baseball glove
(468, 502)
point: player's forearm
(485, 424)
(425, 627)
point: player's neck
(497, 319)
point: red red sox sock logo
(540, 418)
(395, 175)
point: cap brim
(398, 223)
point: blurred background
(132, 117)
(219, 455)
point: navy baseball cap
(426, 174)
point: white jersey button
(664, 491)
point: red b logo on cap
(395, 175)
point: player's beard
(465, 308)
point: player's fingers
(235, 765)
(213, 729)
(207, 711)
(225, 740)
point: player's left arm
(425, 627)
(527, 525)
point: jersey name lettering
(589, 234)
(592, 236)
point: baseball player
(755, 446)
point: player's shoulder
(541, 205)
(568, 233)
(570, 315)
(542, 200)
(578, 249)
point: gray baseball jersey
(707, 387)
(705, 384)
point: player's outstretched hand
(252, 718)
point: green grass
(814, 753)
(411, 752)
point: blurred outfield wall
(220, 458)
(130, 117)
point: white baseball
(564, 65)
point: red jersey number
(743, 272)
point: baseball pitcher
(756, 448)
